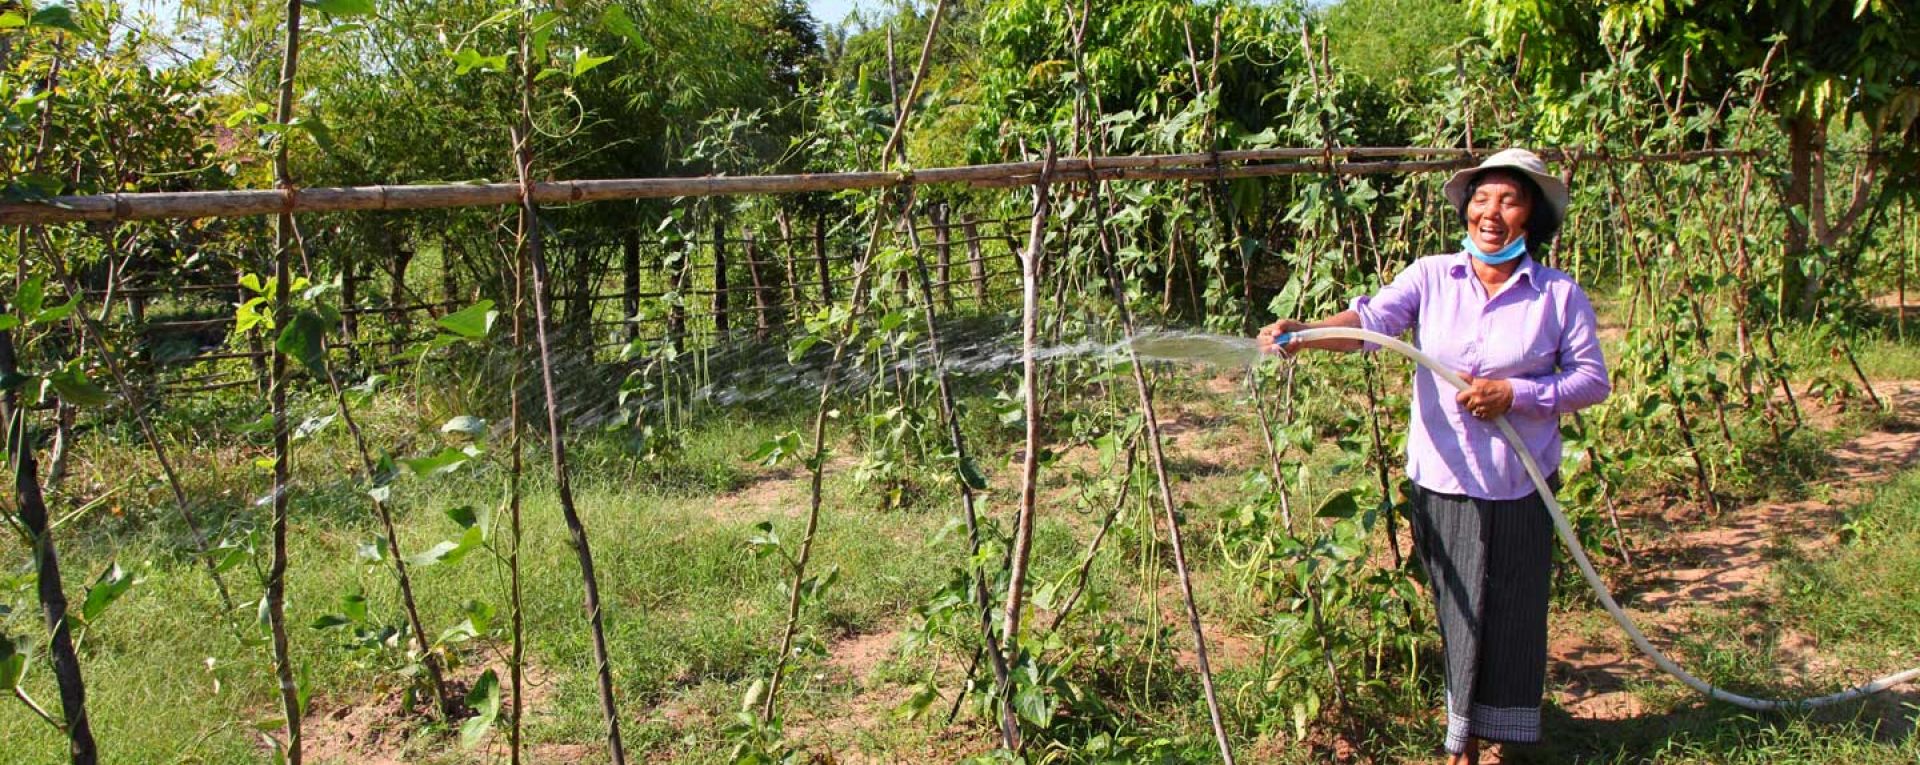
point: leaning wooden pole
(1030, 464)
(93, 332)
(1157, 456)
(522, 136)
(31, 506)
(1155, 448)
(442, 702)
(817, 465)
(284, 242)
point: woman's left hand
(1485, 399)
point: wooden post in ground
(720, 319)
(350, 299)
(449, 281)
(820, 259)
(630, 286)
(976, 263)
(522, 137)
(788, 260)
(942, 255)
(402, 256)
(1900, 269)
(762, 295)
(31, 507)
(678, 251)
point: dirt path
(1693, 571)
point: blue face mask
(1513, 250)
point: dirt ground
(1692, 569)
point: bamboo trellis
(1193, 167)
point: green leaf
(466, 425)
(312, 425)
(800, 347)
(301, 341)
(765, 540)
(449, 552)
(484, 699)
(616, 21)
(584, 62)
(916, 705)
(56, 313)
(8, 321)
(472, 322)
(1340, 504)
(316, 129)
(74, 388)
(467, 59)
(468, 518)
(14, 653)
(58, 17)
(970, 473)
(107, 588)
(303, 688)
(445, 461)
(341, 7)
(29, 297)
(756, 693)
(12, 20)
(1033, 705)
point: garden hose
(1565, 531)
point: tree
(1394, 41)
(1828, 64)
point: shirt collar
(1462, 266)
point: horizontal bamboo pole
(1185, 167)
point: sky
(832, 12)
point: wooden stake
(721, 319)
(284, 243)
(32, 509)
(630, 281)
(1030, 463)
(522, 136)
(976, 262)
(93, 332)
(950, 415)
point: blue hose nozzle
(1282, 339)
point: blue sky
(831, 12)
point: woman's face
(1497, 213)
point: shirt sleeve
(1581, 378)
(1394, 308)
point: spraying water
(746, 372)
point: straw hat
(1519, 160)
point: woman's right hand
(1278, 328)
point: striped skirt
(1489, 564)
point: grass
(692, 615)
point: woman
(1525, 338)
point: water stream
(752, 372)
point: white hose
(1565, 530)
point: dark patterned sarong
(1489, 565)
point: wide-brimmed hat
(1518, 160)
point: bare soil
(380, 730)
(1682, 573)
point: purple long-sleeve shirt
(1539, 333)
